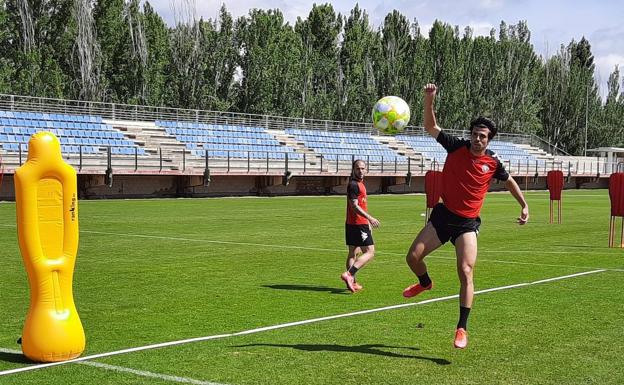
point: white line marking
(489, 251)
(378, 252)
(143, 373)
(286, 325)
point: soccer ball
(391, 114)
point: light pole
(586, 118)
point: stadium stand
(85, 134)
(222, 141)
(345, 146)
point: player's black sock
(353, 270)
(463, 317)
(424, 280)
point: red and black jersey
(466, 177)
(356, 190)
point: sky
(551, 22)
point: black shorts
(449, 225)
(358, 235)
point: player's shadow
(17, 358)
(328, 289)
(375, 349)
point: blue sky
(551, 23)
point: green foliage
(326, 66)
(320, 60)
(158, 57)
(357, 57)
(270, 64)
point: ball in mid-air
(391, 114)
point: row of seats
(76, 133)
(75, 149)
(327, 134)
(51, 124)
(344, 145)
(13, 135)
(227, 141)
(205, 126)
(52, 117)
(245, 154)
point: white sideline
(142, 373)
(285, 325)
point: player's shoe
(357, 286)
(461, 338)
(349, 280)
(415, 289)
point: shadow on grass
(17, 358)
(375, 349)
(581, 246)
(331, 290)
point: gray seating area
(227, 141)
(85, 134)
(343, 146)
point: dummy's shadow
(375, 349)
(328, 289)
(16, 358)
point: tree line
(326, 66)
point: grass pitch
(153, 271)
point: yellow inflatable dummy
(47, 228)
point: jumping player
(467, 173)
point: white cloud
(605, 65)
(481, 28)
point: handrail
(135, 112)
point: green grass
(151, 271)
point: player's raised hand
(430, 90)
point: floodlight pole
(586, 117)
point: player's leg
(426, 241)
(353, 253)
(466, 251)
(368, 252)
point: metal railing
(134, 112)
(185, 161)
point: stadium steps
(536, 152)
(153, 139)
(285, 139)
(399, 146)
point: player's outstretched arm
(430, 120)
(513, 187)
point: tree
(393, 56)
(8, 51)
(269, 62)
(570, 102)
(320, 60)
(219, 59)
(158, 57)
(358, 89)
(185, 70)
